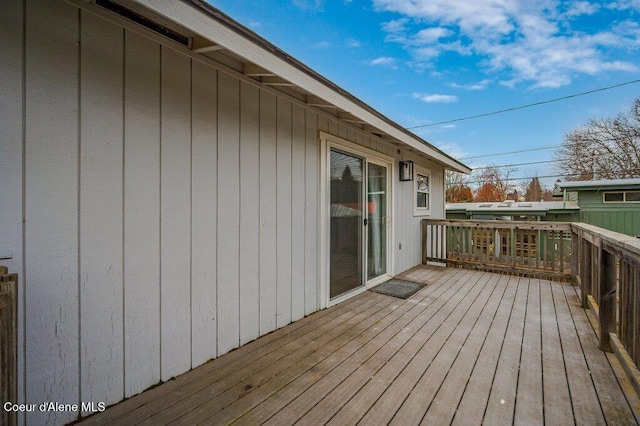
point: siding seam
(160, 47)
(191, 213)
(24, 202)
(217, 315)
(78, 205)
(124, 300)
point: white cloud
(435, 98)
(308, 4)
(353, 42)
(383, 61)
(582, 8)
(433, 34)
(519, 40)
(395, 26)
(481, 85)
(625, 4)
(322, 45)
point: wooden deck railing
(8, 344)
(541, 249)
(605, 265)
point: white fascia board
(209, 28)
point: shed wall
(160, 210)
(618, 217)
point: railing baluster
(634, 314)
(606, 305)
(585, 272)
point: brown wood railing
(8, 343)
(607, 270)
(540, 249)
(605, 265)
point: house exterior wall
(160, 210)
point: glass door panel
(376, 220)
(346, 238)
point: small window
(632, 197)
(614, 197)
(422, 192)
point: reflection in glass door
(376, 220)
(346, 238)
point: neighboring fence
(607, 270)
(539, 249)
(8, 343)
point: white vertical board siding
(312, 187)
(142, 213)
(11, 130)
(438, 192)
(267, 256)
(298, 196)
(51, 200)
(283, 209)
(228, 213)
(101, 210)
(175, 199)
(407, 226)
(203, 212)
(171, 207)
(249, 213)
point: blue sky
(421, 62)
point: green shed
(612, 204)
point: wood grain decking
(470, 348)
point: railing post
(8, 343)
(607, 305)
(423, 232)
(575, 257)
(585, 272)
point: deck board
(586, 406)
(555, 386)
(529, 404)
(470, 348)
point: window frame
(421, 211)
(624, 197)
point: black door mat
(398, 288)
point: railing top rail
(616, 239)
(503, 224)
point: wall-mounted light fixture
(406, 170)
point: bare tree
(607, 148)
(493, 184)
(457, 190)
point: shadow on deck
(470, 348)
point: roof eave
(210, 23)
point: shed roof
(216, 36)
(597, 185)
(513, 208)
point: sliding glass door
(376, 220)
(345, 259)
(359, 225)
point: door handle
(366, 221)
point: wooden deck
(470, 348)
